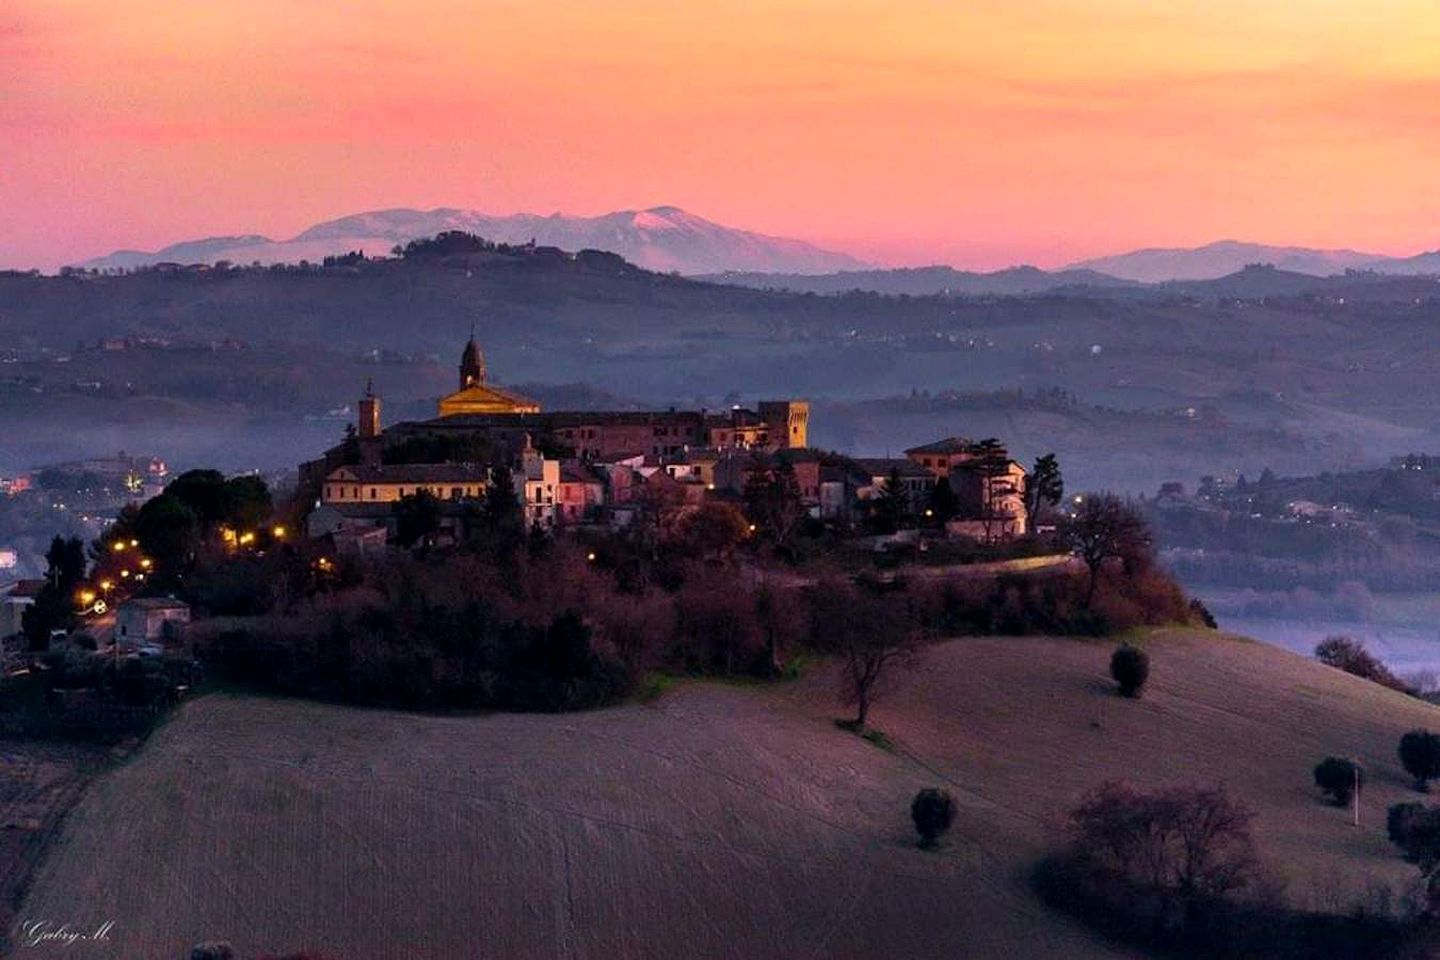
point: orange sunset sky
(969, 132)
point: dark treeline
(550, 625)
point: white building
(144, 620)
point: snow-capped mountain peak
(664, 238)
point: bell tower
(472, 364)
(369, 427)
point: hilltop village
(593, 469)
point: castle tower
(472, 365)
(369, 427)
(789, 422)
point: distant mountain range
(1227, 268)
(663, 239)
(668, 239)
(1224, 257)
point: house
(15, 599)
(942, 456)
(580, 494)
(147, 619)
(989, 486)
(916, 482)
(541, 483)
(386, 483)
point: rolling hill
(719, 821)
(660, 238)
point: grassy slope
(721, 821)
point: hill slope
(660, 238)
(720, 822)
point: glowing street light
(278, 532)
(118, 546)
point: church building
(477, 396)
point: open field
(719, 821)
(39, 783)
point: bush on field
(1339, 778)
(933, 811)
(1130, 667)
(1419, 753)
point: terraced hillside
(720, 821)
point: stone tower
(369, 413)
(789, 422)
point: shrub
(1182, 841)
(1350, 655)
(1419, 753)
(933, 811)
(212, 951)
(1174, 872)
(1130, 666)
(1415, 829)
(1340, 778)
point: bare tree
(870, 629)
(1104, 527)
(1185, 841)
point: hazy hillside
(721, 821)
(660, 238)
(923, 281)
(1262, 368)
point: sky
(981, 133)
